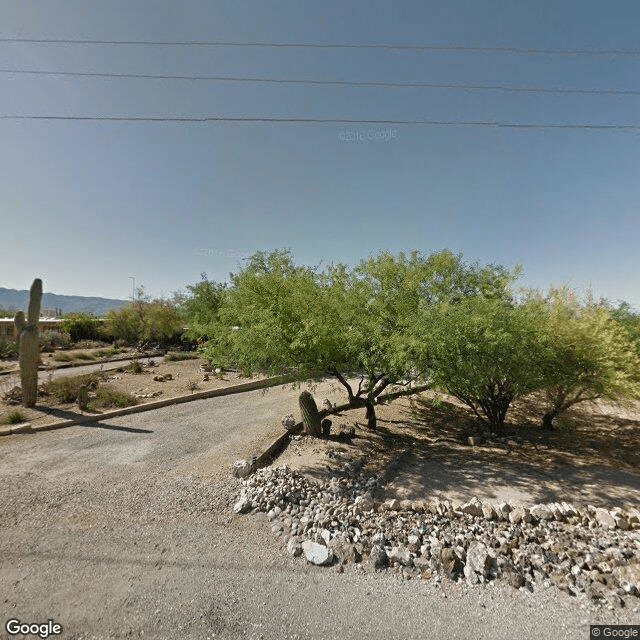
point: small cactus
(310, 415)
(27, 331)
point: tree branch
(340, 377)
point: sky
(90, 205)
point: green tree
(591, 355)
(201, 305)
(277, 316)
(81, 325)
(484, 351)
(144, 320)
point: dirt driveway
(124, 529)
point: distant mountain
(12, 298)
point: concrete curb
(149, 406)
(281, 442)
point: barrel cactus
(310, 415)
(27, 331)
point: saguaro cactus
(27, 331)
(310, 415)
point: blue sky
(85, 205)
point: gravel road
(11, 380)
(124, 529)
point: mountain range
(19, 299)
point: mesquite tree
(590, 354)
(485, 352)
(278, 317)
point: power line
(309, 45)
(347, 83)
(474, 123)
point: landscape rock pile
(593, 553)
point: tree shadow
(88, 419)
(421, 449)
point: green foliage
(15, 417)
(200, 307)
(8, 349)
(63, 357)
(181, 355)
(106, 353)
(135, 366)
(109, 398)
(277, 316)
(590, 354)
(85, 356)
(65, 390)
(144, 321)
(485, 352)
(310, 415)
(7, 313)
(52, 340)
(81, 325)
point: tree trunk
(371, 415)
(547, 420)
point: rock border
(591, 553)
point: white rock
(242, 506)
(317, 553)
(604, 518)
(241, 468)
(473, 507)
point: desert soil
(593, 459)
(184, 374)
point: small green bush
(15, 417)
(135, 366)
(107, 398)
(52, 340)
(65, 390)
(63, 357)
(181, 355)
(8, 349)
(106, 353)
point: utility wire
(309, 45)
(474, 123)
(345, 83)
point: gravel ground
(125, 529)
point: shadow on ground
(593, 459)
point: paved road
(124, 529)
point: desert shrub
(144, 321)
(85, 356)
(181, 355)
(135, 366)
(81, 325)
(591, 354)
(15, 417)
(52, 340)
(107, 397)
(63, 357)
(90, 344)
(65, 390)
(8, 349)
(106, 353)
